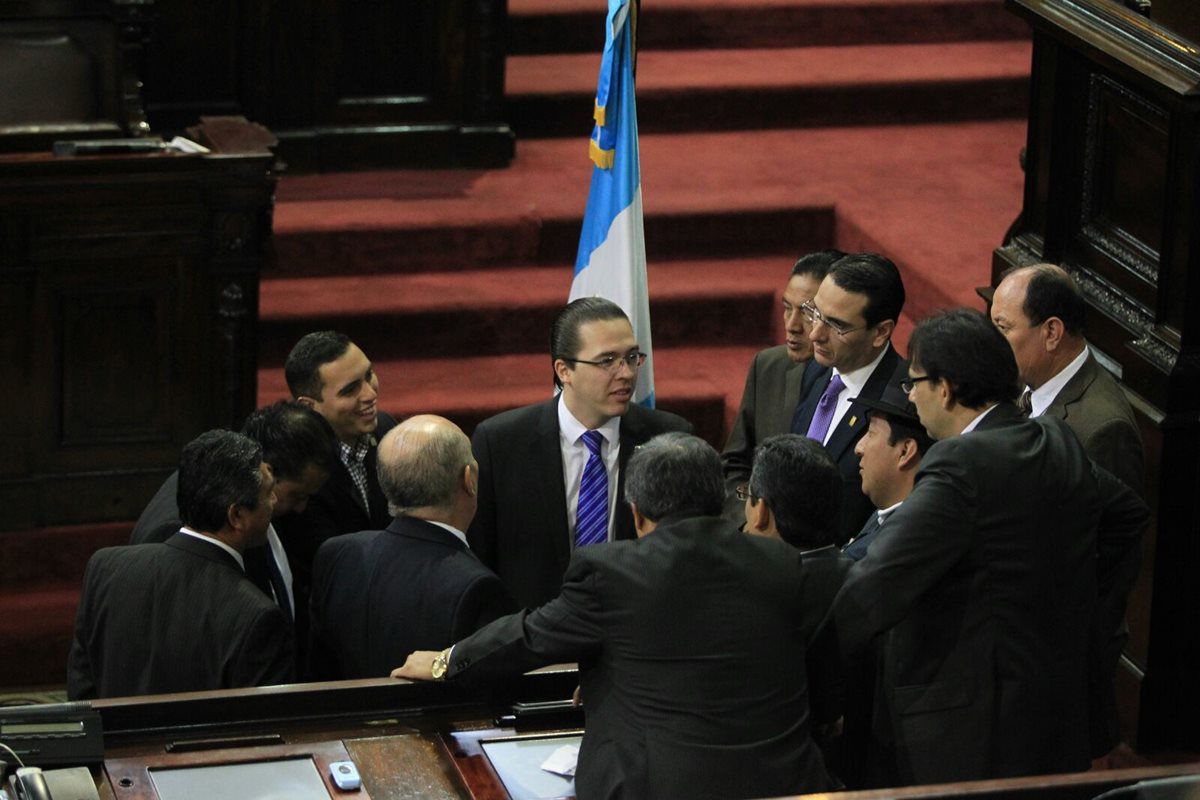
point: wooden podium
(1112, 193)
(128, 309)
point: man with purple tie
(851, 321)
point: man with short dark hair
(687, 638)
(1041, 312)
(987, 576)
(379, 595)
(182, 615)
(772, 389)
(330, 374)
(550, 474)
(851, 321)
(793, 494)
(298, 446)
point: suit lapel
(544, 451)
(813, 381)
(1074, 390)
(793, 379)
(854, 421)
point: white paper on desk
(562, 761)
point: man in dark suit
(851, 320)
(181, 615)
(298, 445)
(687, 641)
(1041, 313)
(988, 575)
(379, 595)
(330, 374)
(773, 383)
(539, 465)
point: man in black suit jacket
(687, 639)
(298, 445)
(330, 374)
(532, 459)
(851, 319)
(773, 383)
(988, 575)
(182, 616)
(379, 595)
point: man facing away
(551, 474)
(182, 615)
(987, 576)
(1041, 313)
(298, 446)
(688, 641)
(772, 389)
(851, 319)
(379, 595)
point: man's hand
(417, 667)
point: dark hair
(564, 333)
(965, 348)
(303, 366)
(904, 429)
(675, 473)
(292, 436)
(877, 278)
(799, 482)
(816, 265)
(423, 472)
(1051, 293)
(217, 469)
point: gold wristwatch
(441, 662)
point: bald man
(379, 595)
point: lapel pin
(853, 420)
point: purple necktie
(823, 416)
(591, 514)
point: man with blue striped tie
(551, 473)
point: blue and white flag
(612, 247)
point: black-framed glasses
(743, 493)
(911, 383)
(613, 363)
(813, 315)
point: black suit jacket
(768, 402)
(379, 595)
(856, 506)
(520, 528)
(174, 617)
(688, 642)
(988, 579)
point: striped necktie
(591, 514)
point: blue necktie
(591, 514)
(823, 416)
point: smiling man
(773, 383)
(551, 474)
(851, 321)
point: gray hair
(420, 467)
(675, 473)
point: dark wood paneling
(1112, 193)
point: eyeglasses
(814, 316)
(744, 493)
(613, 363)
(908, 385)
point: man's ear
(883, 332)
(235, 516)
(945, 394)
(306, 401)
(470, 483)
(1054, 330)
(562, 369)
(910, 454)
(758, 516)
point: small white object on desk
(562, 761)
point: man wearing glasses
(851, 320)
(989, 574)
(551, 475)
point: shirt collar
(571, 429)
(973, 424)
(212, 540)
(358, 450)
(856, 379)
(1044, 395)
(462, 537)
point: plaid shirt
(353, 457)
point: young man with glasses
(551, 474)
(851, 320)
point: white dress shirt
(1044, 395)
(855, 381)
